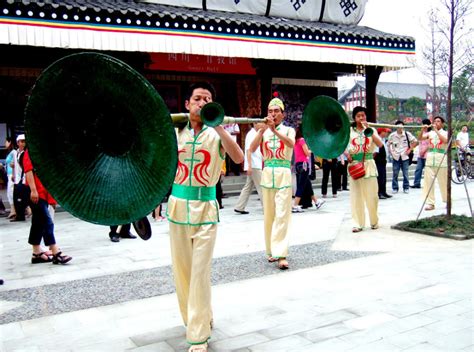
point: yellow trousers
(191, 251)
(364, 193)
(277, 216)
(430, 174)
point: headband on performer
(277, 102)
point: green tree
(463, 91)
(414, 107)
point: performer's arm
(231, 147)
(30, 179)
(257, 140)
(249, 162)
(290, 143)
(442, 137)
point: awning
(131, 26)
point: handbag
(357, 170)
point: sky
(405, 17)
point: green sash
(278, 163)
(194, 193)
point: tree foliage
(463, 90)
(414, 107)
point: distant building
(410, 102)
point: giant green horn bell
(326, 127)
(212, 114)
(100, 138)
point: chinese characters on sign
(200, 63)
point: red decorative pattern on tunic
(266, 151)
(366, 144)
(183, 170)
(360, 148)
(355, 145)
(280, 152)
(201, 172)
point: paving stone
(327, 332)
(289, 343)
(158, 336)
(413, 337)
(155, 347)
(239, 342)
(369, 320)
(306, 324)
(457, 340)
(337, 280)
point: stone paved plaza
(379, 290)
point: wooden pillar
(372, 74)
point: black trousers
(382, 177)
(21, 198)
(330, 168)
(342, 169)
(42, 226)
(123, 231)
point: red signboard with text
(200, 63)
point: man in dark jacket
(380, 158)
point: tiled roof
(150, 10)
(139, 26)
(401, 90)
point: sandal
(374, 227)
(356, 229)
(430, 207)
(198, 348)
(283, 264)
(61, 259)
(41, 258)
(271, 259)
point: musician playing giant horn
(276, 142)
(364, 190)
(438, 143)
(193, 213)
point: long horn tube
(374, 124)
(369, 131)
(212, 114)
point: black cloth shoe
(381, 196)
(415, 186)
(243, 212)
(127, 235)
(114, 237)
(387, 195)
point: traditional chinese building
(245, 55)
(410, 102)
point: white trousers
(191, 251)
(252, 180)
(277, 216)
(364, 193)
(430, 175)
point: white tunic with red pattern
(277, 159)
(199, 166)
